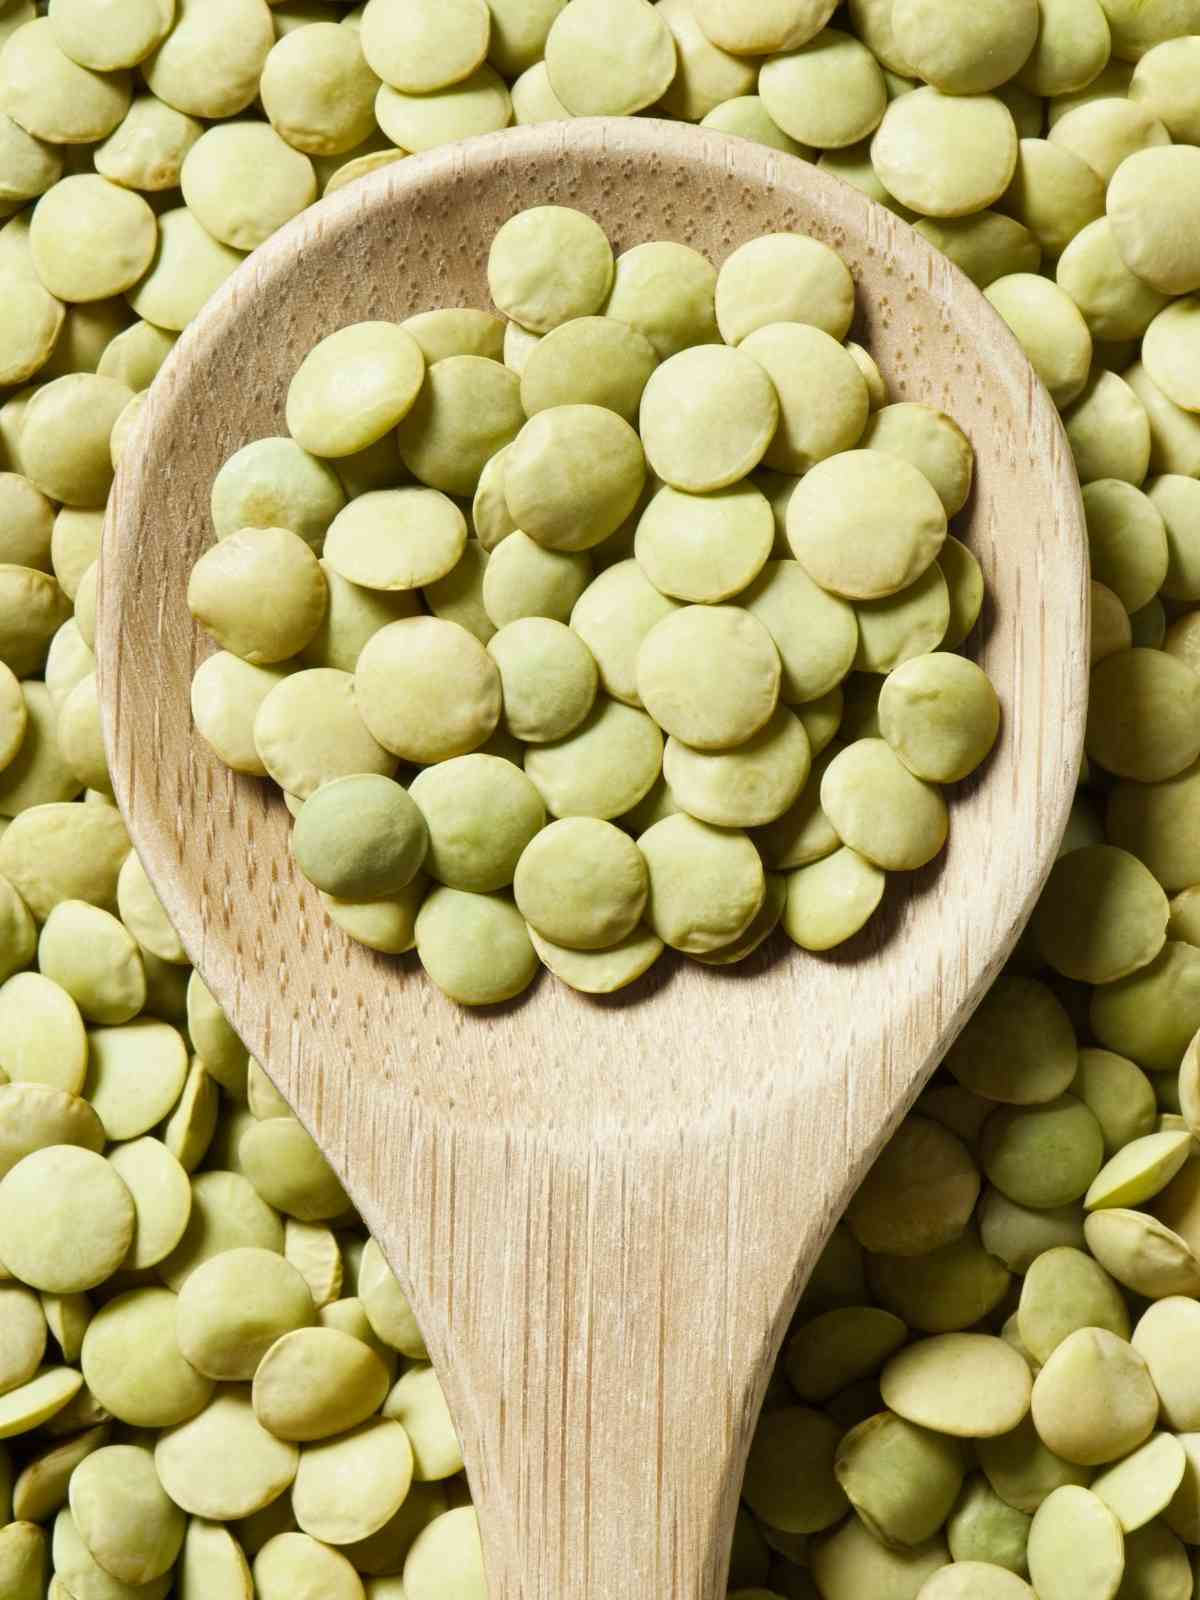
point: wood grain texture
(602, 1210)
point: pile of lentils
(991, 1387)
(542, 801)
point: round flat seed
(242, 182)
(314, 1252)
(1142, 1253)
(1022, 1471)
(475, 947)
(853, 1561)
(123, 1514)
(975, 1580)
(66, 1220)
(1016, 1234)
(784, 277)
(865, 524)
(548, 265)
(189, 265)
(396, 539)
(772, 25)
(600, 971)
(54, 98)
(1095, 1362)
(90, 239)
(490, 517)
(450, 1543)
(1150, 198)
(706, 884)
(73, 1560)
(1076, 1549)
(1144, 715)
(1016, 1143)
(945, 155)
(919, 1195)
(457, 331)
(424, 46)
(142, 913)
(930, 441)
(309, 730)
(1127, 541)
(22, 1335)
(235, 1307)
(823, 398)
(601, 769)
(162, 1198)
(360, 838)
(44, 1396)
(479, 104)
(667, 292)
(573, 475)
(273, 483)
(612, 616)
(1141, 1486)
(1171, 351)
(609, 58)
(1104, 131)
(418, 1404)
(880, 809)
(350, 1487)
(589, 361)
(353, 387)
(54, 852)
(427, 690)
(708, 417)
(1108, 430)
(760, 928)
(841, 1347)
(966, 1384)
(289, 1172)
(223, 1464)
(293, 1566)
(318, 90)
(133, 1365)
(883, 1452)
(940, 714)
(42, 1036)
(815, 633)
(316, 1382)
(227, 1214)
(481, 813)
(212, 1562)
(458, 597)
(800, 1501)
(830, 900)
(704, 548)
(1139, 1171)
(582, 883)
(705, 75)
(467, 410)
(984, 51)
(135, 1075)
(548, 677)
(709, 675)
(829, 92)
(33, 1117)
(1063, 1290)
(747, 786)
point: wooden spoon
(602, 1211)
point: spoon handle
(606, 1320)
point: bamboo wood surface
(602, 1210)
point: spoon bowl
(602, 1212)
